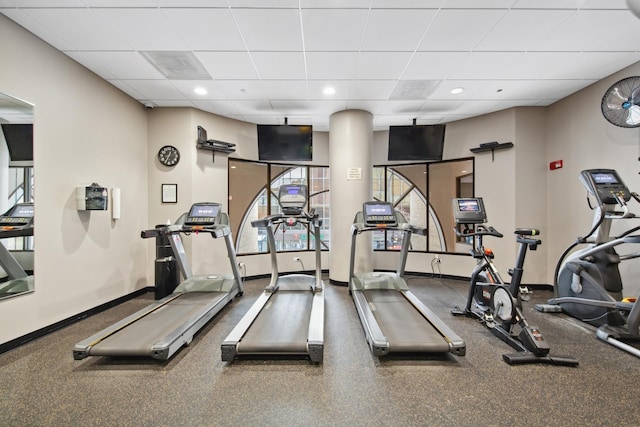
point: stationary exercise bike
(496, 304)
(588, 284)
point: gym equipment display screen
(469, 211)
(425, 142)
(377, 213)
(605, 178)
(203, 213)
(23, 210)
(284, 142)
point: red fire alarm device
(556, 164)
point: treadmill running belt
(281, 327)
(138, 338)
(405, 328)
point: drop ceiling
(267, 60)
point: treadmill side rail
(315, 338)
(230, 344)
(376, 339)
(457, 345)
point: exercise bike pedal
(525, 293)
(489, 320)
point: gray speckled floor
(41, 384)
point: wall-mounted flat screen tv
(417, 142)
(19, 138)
(285, 142)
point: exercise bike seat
(527, 231)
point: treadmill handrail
(358, 228)
(216, 230)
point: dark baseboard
(10, 345)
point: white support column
(350, 161)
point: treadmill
(287, 319)
(162, 328)
(16, 222)
(393, 318)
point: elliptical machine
(496, 304)
(588, 285)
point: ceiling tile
(120, 65)
(124, 87)
(242, 89)
(270, 29)
(187, 88)
(228, 65)
(519, 29)
(342, 88)
(79, 28)
(400, 29)
(280, 65)
(371, 89)
(347, 27)
(206, 29)
(444, 33)
(373, 107)
(471, 89)
(593, 30)
(485, 65)
(272, 58)
(475, 4)
(406, 4)
(433, 65)
(290, 89)
(47, 3)
(142, 29)
(549, 4)
(381, 65)
(279, 4)
(155, 89)
(331, 65)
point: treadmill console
(469, 211)
(203, 214)
(20, 215)
(605, 185)
(292, 198)
(379, 214)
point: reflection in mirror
(447, 180)
(422, 192)
(16, 197)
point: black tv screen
(285, 142)
(417, 142)
(19, 139)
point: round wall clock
(169, 155)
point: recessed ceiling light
(457, 90)
(200, 91)
(329, 90)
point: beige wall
(85, 131)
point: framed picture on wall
(169, 193)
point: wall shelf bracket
(491, 146)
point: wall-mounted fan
(621, 103)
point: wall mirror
(16, 197)
(423, 193)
